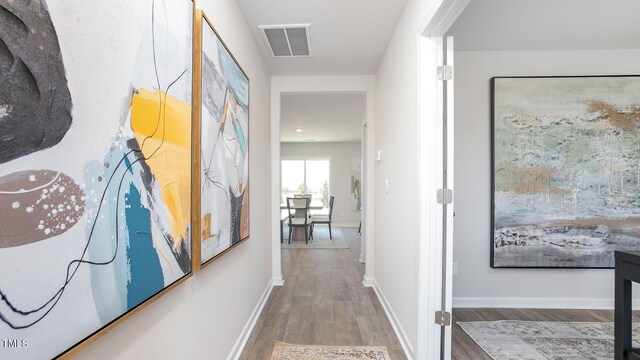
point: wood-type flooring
(322, 302)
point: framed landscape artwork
(95, 175)
(356, 184)
(223, 144)
(566, 170)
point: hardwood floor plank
(272, 329)
(346, 324)
(322, 302)
(322, 333)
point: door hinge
(445, 73)
(443, 318)
(445, 196)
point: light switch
(386, 185)
(379, 155)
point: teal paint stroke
(108, 283)
(146, 277)
(240, 136)
(238, 83)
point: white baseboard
(537, 303)
(344, 225)
(397, 328)
(238, 347)
(278, 281)
(368, 282)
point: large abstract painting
(566, 170)
(95, 152)
(224, 148)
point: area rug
(542, 340)
(320, 240)
(284, 351)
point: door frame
(431, 48)
(363, 188)
(323, 84)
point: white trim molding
(537, 303)
(278, 281)
(238, 347)
(367, 281)
(395, 323)
(442, 15)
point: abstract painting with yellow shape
(95, 176)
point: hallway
(323, 302)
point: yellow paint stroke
(163, 124)
(223, 121)
(206, 227)
(175, 115)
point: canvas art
(224, 148)
(95, 181)
(356, 184)
(566, 170)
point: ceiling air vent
(288, 40)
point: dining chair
(323, 219)
(298, 209)
(305, 196)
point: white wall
(397, 230)
(204, 317)
(340, 155)
(477, 284)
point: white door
(437, 200)
(435, 131)
(445, 196)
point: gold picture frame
(197, 219)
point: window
(306, 176)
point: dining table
(317, 206)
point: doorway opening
(321, 170)
(301, 142)
(324, 295)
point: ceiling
(327, 117)
(347, 37)
(548, 25)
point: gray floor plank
(323, 302)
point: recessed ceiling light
(298, 129)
